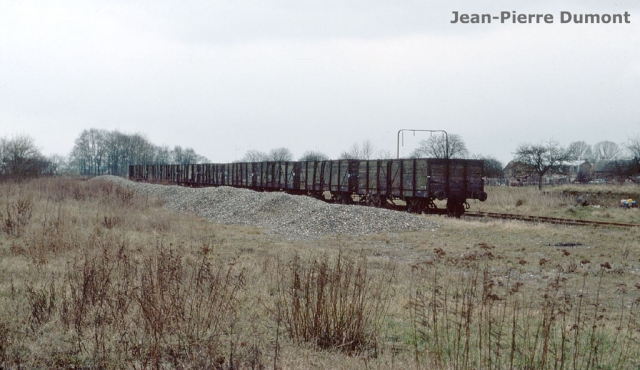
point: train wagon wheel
(423, 205)
(318, 196)
(430, 207)
(346, 199)
(362, 200)
(455, 208)
(411, 205)
(374, 200)
(415, 206)
(341, 198)
(371, 200)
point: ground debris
(566, 245)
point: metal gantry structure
(446, 137)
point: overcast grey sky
(226, 76)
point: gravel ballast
(291, 216)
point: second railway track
(550, 220)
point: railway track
(551, 220)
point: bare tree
(20, 158)
(352, 153)
(541, 159)
(633, 150)
(162, 155)
(384, 154)
(88, 154)
(58, 164)
(365, 150)
(189, 156)
(580, 151)
(436, 147)
(202, 159)
(115, 145)
(606, 150)
(492, 166)
(313, 155)
(138, 150)
(280, 155)
(633, 147)
(98, 152)
(277, 154)
(255, 156)
(185, 156)
(177, 155)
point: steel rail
(551, 220)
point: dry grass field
(587, 202)
(94, 275)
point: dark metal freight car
(416, 182)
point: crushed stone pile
(291, 216)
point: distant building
(615, 170)
(516, 175)
(582, 172)
(576, 171)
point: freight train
(412, 184)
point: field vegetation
(586, 202)
(94, 275)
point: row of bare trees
(364, 150)
(542, 159)
(276, 155)
(604, 150)
(101, 152)
(98, 152)
(95, 152)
